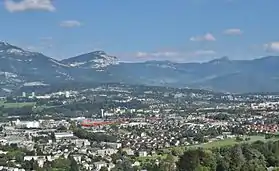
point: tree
(189, 161)
(28, 165)
(237, 158)
(168, 164)
(239, 138)
(19, 157)
(52, 136)
(222, 165)
(115, 157)
(74, 166)
(136, 168)
(202, 168)
(242, 157)
(151, 165)
(207, 159)
(114, 127)
(104, 168)
(124, 165)
(62, 128)
(197, 159)
(177, 151)
(61, 163)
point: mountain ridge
(18, 67)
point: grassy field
(157, 156)
(16, 105)
(214, 144)
(230, 142)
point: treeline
(18, 111)
(94, 136)
(93, 107)
(60, 164)
(257, 156)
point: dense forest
(257, 156)
(94, 136)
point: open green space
(231, 141)
(16, 105)
(214, 144)
(157, 156)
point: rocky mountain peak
(96, 59)
(2, 43)
(8, 49)
(18, 66)
(99, 52)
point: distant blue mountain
(18, 66)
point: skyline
(183, 31)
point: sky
(139, 30)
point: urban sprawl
(125, 127)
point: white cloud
(206, 37)
(157, 54)
(24, 5)
(233, 31)
(70, 23)
(142, 54)
(204, 52)
(272, 47)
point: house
(81, 142)
(129, 152)
(62, 135)
(99, 165)
(111, 145)
(142, 153)
(108, 151)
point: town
(125, 127)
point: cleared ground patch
(16, 105)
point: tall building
(23, 94)
(67, 94)
(102, 113)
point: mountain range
(19, 67)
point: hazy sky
(178, 30)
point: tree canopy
(257, 156)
